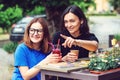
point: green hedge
(10, 47)
(104, 14)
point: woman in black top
(75, 34)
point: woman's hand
(70, 57)
(52, 58)
(90, 45)
(68, 41)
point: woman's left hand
(70, 57)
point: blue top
(25, 56)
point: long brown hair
(46, 37)
(84, 29)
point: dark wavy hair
(84, 29)
(46, 37)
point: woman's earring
(82, 22)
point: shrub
(117, 37)
(9, 16)
(10, 47)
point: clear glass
(56, 49)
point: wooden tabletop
(67, 66)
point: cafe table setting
(98, 66)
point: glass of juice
(75, 52)
(56, 50)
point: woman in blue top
(34, 52)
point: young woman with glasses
(33, 52)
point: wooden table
(83, 75)
(78, 73)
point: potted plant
(105, 61)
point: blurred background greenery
(13, 10)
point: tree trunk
(53, 12)
(53, 17)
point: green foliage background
(10, 47)
(9, 16)
(13, 10)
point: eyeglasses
(32, 31)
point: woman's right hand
(52, 58)
(69, 41)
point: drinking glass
(56, 49)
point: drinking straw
(58, 43)
(51, 45)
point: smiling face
(36, 32)
(72, 24)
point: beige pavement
(103, 27)
(6, 61)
